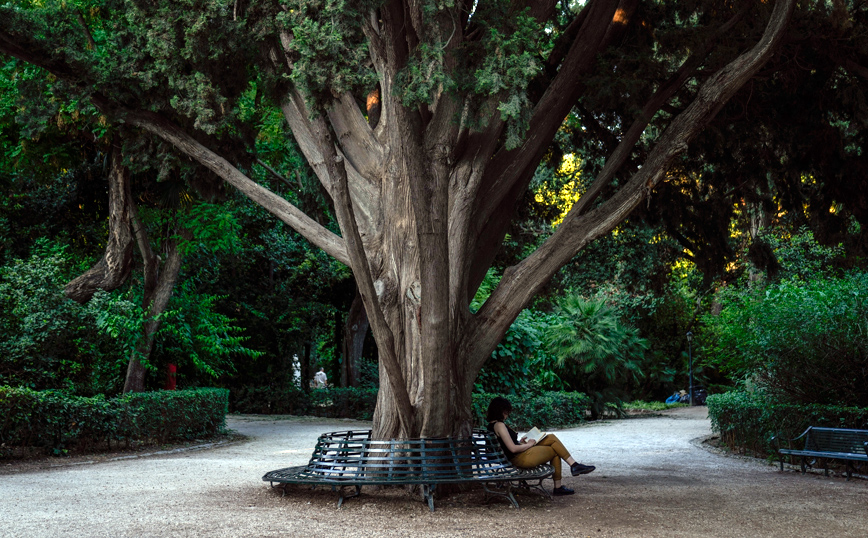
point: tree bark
(155, 301)
(355, 331)
(114, 267)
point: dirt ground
(654, 477)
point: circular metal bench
(352, 459)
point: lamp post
(690, 362)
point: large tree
(469, 96)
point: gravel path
(653, 478)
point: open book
(535, 434)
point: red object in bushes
(170, 377)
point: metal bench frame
(826, 444)
(351, 459)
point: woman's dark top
(512, 434)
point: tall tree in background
(471, 95)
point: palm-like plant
(605, 354)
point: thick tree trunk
(114, 267)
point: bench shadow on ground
(473, 496)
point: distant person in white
(321, 379)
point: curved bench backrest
(353, 455)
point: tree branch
(114, 267)
(521, 282)
(274, 173)
(507, 176)
(856, 68)
(357, 142)
(334, 164)
(663, 94)
(91, 44)
(274, 204)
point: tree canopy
(425, 122)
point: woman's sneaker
(562, 490)
(577, 469)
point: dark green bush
(344, 402)
(803, 342)
(548, 410)
(748, 422)
(268, 400)
(57, 422)
(348, 402)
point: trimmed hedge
(548, 410)
(334, 402)
(747, 422)
(57, 422)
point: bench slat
(830, 443)
(352, 458)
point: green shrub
(548, 410)
(268, 400)
(173, 415)
(344, 402)
(600, 352)
(46, 340)
(802, 342)
(57, 422)
(748, 422)
(652, 406)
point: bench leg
(428, 495)
(803, 465)
(508, 495)
(344, 497)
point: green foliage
(178, 51)
(547, 410)
(424, 76)
(194, 333)
(510, 63)
(512, 365)
(213, 227)
(46, 340)
(651, 406)
(606, 355)
(801, 257)
(748, 422)
(59, 422)
(518, 364)
(803, 342)
(328, 48)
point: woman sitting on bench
(527, 453)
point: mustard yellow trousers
(549, 450)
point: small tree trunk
(306, 369)
(155, 303)
(355, 330)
